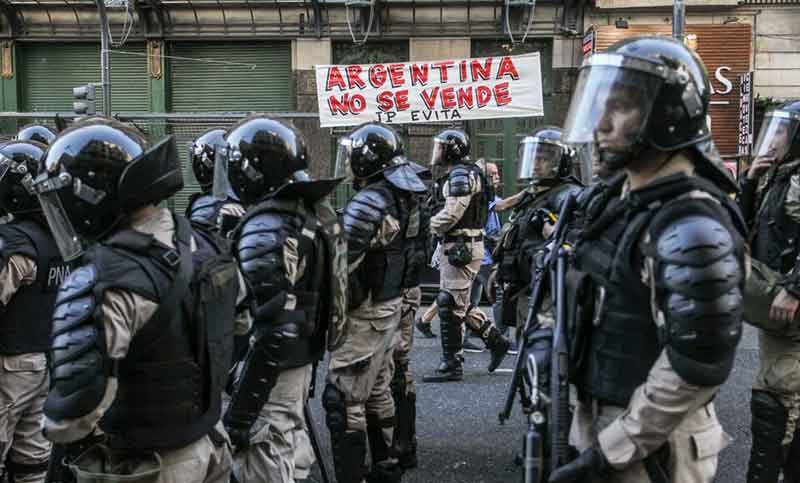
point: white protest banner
(419, 92)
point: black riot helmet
(779, 137)
(367, 150)
(36, 132)
(644, 92)
(203, 153)
(450, 146)
(19, 163)
(543, 157)
(98, 172)
(259, 156)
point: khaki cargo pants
(203, 461)
(458, 282)
(24, 384)
(693, 446)
(362, 370)
(280, 449)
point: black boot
(768, 428)
(450, 369)
(405, 403)
(385, 465)
(497, 344)
(349, 451)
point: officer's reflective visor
(585, 163)
(539, 159)
(777, 134)
(611, 106)
(437, 155)
(343, 157)
(64, 233)
(222, 189)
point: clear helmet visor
(610, 107)
(65, 235)
(222, 189)
(586, 163)
(777, 135)
(437, 153)
(539, 159)
(344, 155)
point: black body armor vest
(27, 320)
(478, 210)
(776, 240)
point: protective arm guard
(251, 391)
(362, 220)
(699, 273)
(79, 364)
(260, 254)
(203, 209)
(458, 183)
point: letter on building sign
(723, 80)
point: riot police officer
(546, 166)
(668, 262)
(770, 201)
(286, 246)
(36, 132)
(142, 328)
(378, 228)
(30, 271)
(459, 224)
(217, 213)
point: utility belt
(462, 238)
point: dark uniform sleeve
(695, 264)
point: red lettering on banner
(377, 75)
(357, 104)
(430, 98)
(501, 95)
(484, 95)
(482, 71)
(396, 75)
(419, 74)
(401, 100)
(385, 102)
(466, 98)
(335, 79)
(507, 67)
(442, 66)
(347, 104)
(448, 98)
(462, 70)
(354, 77)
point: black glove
(587, 466)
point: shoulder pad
(459, 182)
(203, 209)
(700, 278)
(561, 196)
(79, 365)
(362, 217)
(15, 241)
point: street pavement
(461, 441)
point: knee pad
(769, 415)
(335, 409)
(446, 304)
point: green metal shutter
(252, 76)
(50, 71)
